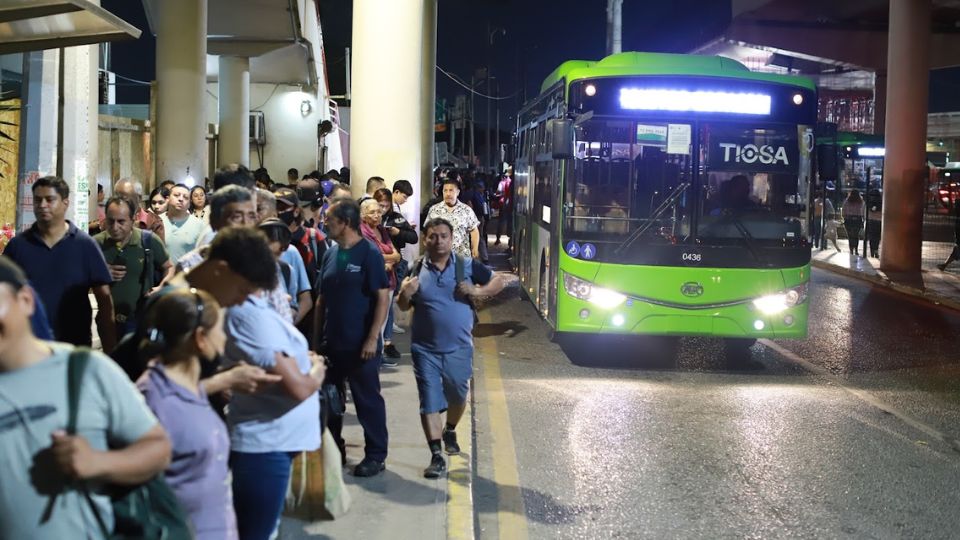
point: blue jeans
(259, 487)
(388, 329)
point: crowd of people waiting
(227, 311)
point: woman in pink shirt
(371, 227)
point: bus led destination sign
(659, 99)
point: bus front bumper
(641, 318)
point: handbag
(331, 403)
(316, 490)
(148, 511)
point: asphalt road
(848, 434)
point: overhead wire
(117, 75)
(457, 80)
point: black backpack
(148, 511)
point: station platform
(931, 284)
(400, 502)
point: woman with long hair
(853, 214)
(185, 329)
(198, 203)
(158, 200)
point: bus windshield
(632, 183)
(625, 178)
(751, 187)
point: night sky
(539, 35)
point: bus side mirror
(562, 138)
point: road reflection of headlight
(584, 290)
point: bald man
(144, 220)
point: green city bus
(666, 194)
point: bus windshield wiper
(747, 237)
(664, 206)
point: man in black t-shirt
(350, 312)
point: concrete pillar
(79, 154)
(879, 101)
(38, 127)
(428, 96)
(234, 108)
(181, 87)
(904, 174)
(59, 128)
(386, 119)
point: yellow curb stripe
(460, 482)
(511, 513)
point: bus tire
(740, 343)
(737, 350)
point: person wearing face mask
(309, 241)
(186, 329)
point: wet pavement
(930, 283)
(851, 433)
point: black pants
(364, 380)
(853, 225)
(873, 236)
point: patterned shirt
(463, 220)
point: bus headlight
(584, 290)
(776, 303)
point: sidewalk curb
(460, 518)
(884, 281)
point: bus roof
(641, 63)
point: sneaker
(398, 329)
(436, 468)
(369, 467)
(391, 351)
(450, 442)
(388, 362)
(942, 267)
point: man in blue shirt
(350, 312)
(64, 264)
(442, 286)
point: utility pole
(614, 26)
(496, 155)
(489, 160)
(473, 126)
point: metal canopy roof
(31, 25)
(827, 35)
